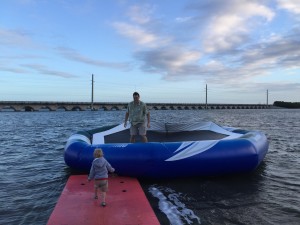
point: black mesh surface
(155, 136)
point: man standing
(137, 112)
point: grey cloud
(245, 63)
(289, 5)
(45, 71)
(15, 37)
(12, 70)
(164, 61)
(280, 53)
(237, 61)
(73, 55)
(207, 8)
(157, 62)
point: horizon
(167, 51)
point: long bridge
(88, 106)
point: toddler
(99, 173)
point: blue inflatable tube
(225, 151)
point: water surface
(33, 172)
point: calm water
(33, 172)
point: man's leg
(142, 132)
(133, 133)
(144, 137)
(132, 138)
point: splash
(172, 207)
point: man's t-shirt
(137, 112)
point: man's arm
(148, 118)
(126, 118)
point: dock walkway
(126, 204)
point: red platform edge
(126, 204)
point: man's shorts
(139, 128)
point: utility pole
(267, 97)
(206, 97)
(92, 101)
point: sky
(243, 51)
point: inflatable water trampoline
(173, 150)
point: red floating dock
(126, 204)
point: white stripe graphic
(188, 149)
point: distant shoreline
(288, 105)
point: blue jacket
(100, 168)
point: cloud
(228, 23)
(173, 61)
(6, 61)
(45, 71)
(238, 66)
(290, 5)
(140, 35)
(13, 38)
(136, 33)
(215, 41)
(260, 59)
(142, 27)
(71, 54)
(279, 52)
(140, 14)
(12, 69)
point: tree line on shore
(290, 105)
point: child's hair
(98, 153)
